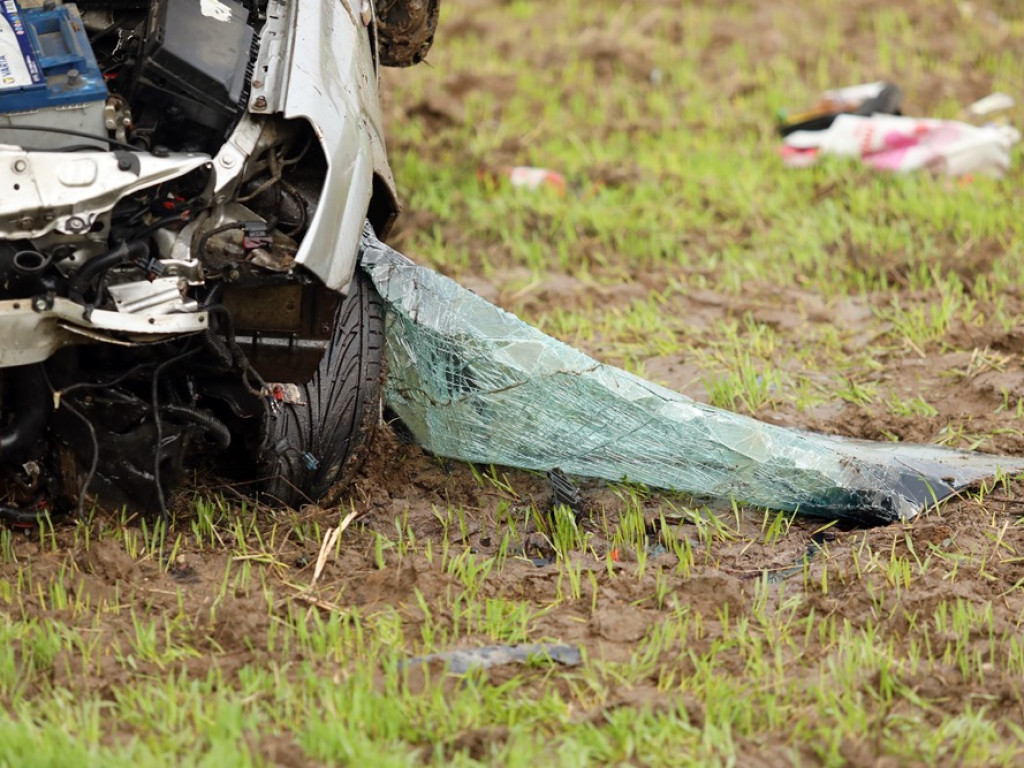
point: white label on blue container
(18, 65)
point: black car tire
(313, 449)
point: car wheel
(405, 30)
(314, 447)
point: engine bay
(146, 206)
(143, 199)
(171, 73)
(138, 181)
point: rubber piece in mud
(314, 449)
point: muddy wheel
(313, 449)
(405, 30)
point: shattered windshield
(473, 382)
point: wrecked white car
(183, 188)
(186, 190)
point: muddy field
(832, 299)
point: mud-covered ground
(829, 298)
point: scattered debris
(867, 99)
(473, 382)
(865, 121)
(891, 143)
(991, 106)
(182, 571)
(815, 546)
(563, 492)
(462, 661)
(527, 177)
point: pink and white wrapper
(902, 144)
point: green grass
(677, 185)
(831, 297)
(136, 676)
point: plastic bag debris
(526, 177)
(473, 382)
(993, 105)
(903, 144)
(866, 99)
(461, 662)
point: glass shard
(475, 383)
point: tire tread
(342, 403)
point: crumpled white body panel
(316, 63)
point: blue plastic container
(45, 59)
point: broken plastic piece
(865, 99)
(992, 104)
(256, 234)
(525, 177)
(473, 382)
(461, 662)
(563, 492)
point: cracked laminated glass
(473, 382)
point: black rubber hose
(239, 360)
(30, 263)
(31, 401)
(214, 427)
(227, 349)
(136, 250)
(218, 348)
(213, 296)
(223, 349)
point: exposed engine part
(195, 61)
(242, 237)
(136, 251)
(139, 457)
(68, 194)
(156, 211)
(164, 295)
(117, 118)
